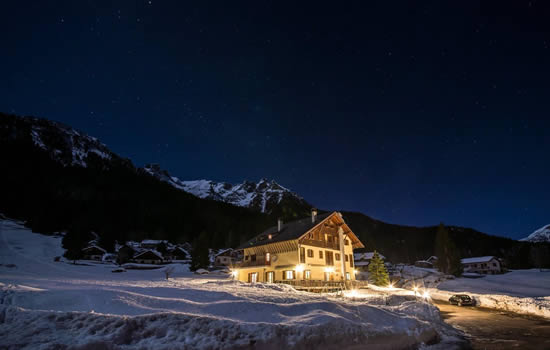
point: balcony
(321, 244)
(258, 262)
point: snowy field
(520, 291)
(46, 304)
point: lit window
(310, 253)
(348, 276)
(307, 274)
(267, 257)
(289, 275)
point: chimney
(279, 224)
(313, 215)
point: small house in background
(226, 257)
(487, 265)
(93, 252)
(362, 260)
(149, 257)
(432, 260)
(177, 254)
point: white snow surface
(540, 235)
(46, 304)
(519, 291)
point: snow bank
(46, 304)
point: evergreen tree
(448, 258)
(200, 253)
(74, 241)
(378, 274)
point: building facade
(488, 265)
(319, 248)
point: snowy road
(491, 329)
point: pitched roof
(147, 254)
(366, 256)
(289, 231)
(479, 259)
(94, 247)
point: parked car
(462, 300)
(201, 272)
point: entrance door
(253, 277)
(269, 276)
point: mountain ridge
(262, 196)
(539, 236)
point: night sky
(410, 113)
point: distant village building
(93, 252)
(149, 257)
(362, 260)
(301, 252)
(125, 254)
(177, 254)
(226, 257)
(488, 265)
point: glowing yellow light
(235, 273)
(415, 288)
(329, 269)
(391, 285)
(425, 295)
(352, 293)
(300, 268)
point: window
(302, 255)
(494, 264)
(288, 275)
(310, 253)
(267, 257)
(269, 276)
(347, 258)
(329, 258)
(328, 276)
(320, 254)
(346, 242)
(307, 274)
(253, 277)
(253, 257)
(351, 260)
(337, 256)
(246, 257)
(348, 277)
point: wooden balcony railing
(258, 262)
(321, 244)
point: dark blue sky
(410, 113)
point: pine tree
(200, 258)
(448, 259)
(378, 274)
(74, 241)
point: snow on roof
(159, 255)
(223, 251)
(152, 241)
(479, 259)
(366, 256)
(93, 246)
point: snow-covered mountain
(261, 196)
(63, 143)
(540, 235)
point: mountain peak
(262, 196)
(63, 143)
(540, 235)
